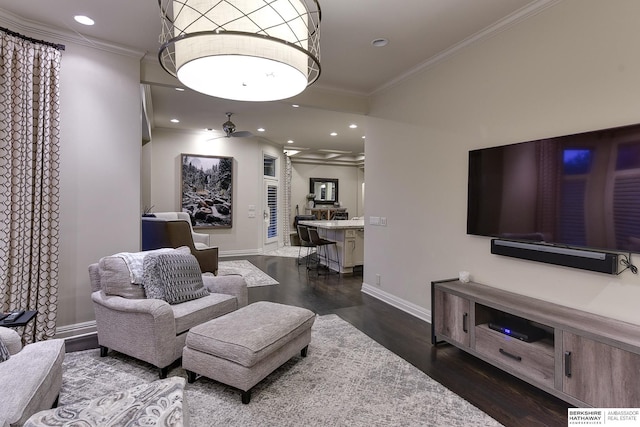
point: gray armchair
(149, 329)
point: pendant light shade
(245, 50)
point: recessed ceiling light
(290, 141)
(260, 129)
(295, 105)
(180, 89)
(84, 20)
(353, 126)
(333, 134)
(363, 137)
(380, 42)
(175, 121)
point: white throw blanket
(135, 260)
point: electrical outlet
(378, 279)
(383, 221)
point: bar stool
(305, 242)
(323, 243)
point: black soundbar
(602, 262)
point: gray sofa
(30, 379)
(151, 329)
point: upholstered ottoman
(241, 348)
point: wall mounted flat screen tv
(579, 190)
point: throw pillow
(4, 352)
(121, 274)
(174, 278)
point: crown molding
(332, 162)
(56, 35)
(490, 31)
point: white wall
(572, 68)
(245, 236)
(349, 185)
(145, 177)
(100, 169)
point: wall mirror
(325, 189)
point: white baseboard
(406, 306)
(245, 252)
(76, 330)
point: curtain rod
(29, 39)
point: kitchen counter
(349, 237)
(340, 224)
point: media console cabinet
(583, 358)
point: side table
(25, 318)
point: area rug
(290, 251)
(347, 379)
(251, 274)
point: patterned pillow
(173, 277)
(4, 352)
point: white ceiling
(419, 32)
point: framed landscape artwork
(206, 189)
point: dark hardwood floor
(507, 399)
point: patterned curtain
(29, 180)
(287, 223)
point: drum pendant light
(244, 50)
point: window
(269, 166)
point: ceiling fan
(229, 129)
